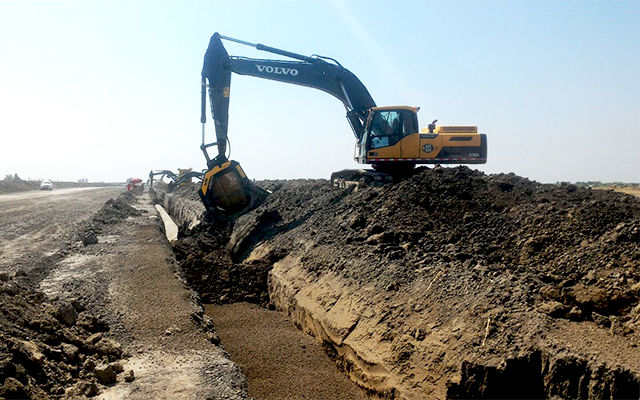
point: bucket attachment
(227, 191)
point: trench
(278, 360)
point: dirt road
(36, 226)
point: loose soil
(451, 283)
(49, 347)
(279, 361)
(209, 269)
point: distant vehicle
(46, 185)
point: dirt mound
(116, 210)
(189, 191)
(496, 254)
(452, 283)
(581, 244)
(54, 348)
(112, 212)
(50, 349)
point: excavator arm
(163, 173)
(314, 72)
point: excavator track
(364, 177)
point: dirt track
(279, 361)
(37, 226)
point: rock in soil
(105, 374)
(129, 377)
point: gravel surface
(36, 228)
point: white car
(46, 185)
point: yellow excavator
(388, 138)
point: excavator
(184, 176)
(388, 137)
(162, 173)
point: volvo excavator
(388, 138)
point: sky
(107, 90)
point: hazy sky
(108, 90)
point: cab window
(385, 129)
(409, 123)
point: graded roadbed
(130, 277)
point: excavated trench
(278, 360)
(451, 284)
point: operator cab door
(385, 135)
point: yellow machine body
(181, 173)
(433, 145)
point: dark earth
(460, 285)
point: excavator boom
(312, 72)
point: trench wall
(186, 210)
(347, 321)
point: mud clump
(45, 350)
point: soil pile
(51, 349)
(112, 212)
(116, 210)
(581, 245)
(452, 283)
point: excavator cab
(392, 141)
(386, 126)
